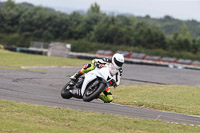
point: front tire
(89, 94)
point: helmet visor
(118, 63)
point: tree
(100, 31)
(148, 37)
(44, 23)
(9, 17)
(94, 8)
(183, 41)
(76, 26)
(10, 4)
(92, 19)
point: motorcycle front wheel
(93, 92)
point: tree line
(21, 24)
(169, 25)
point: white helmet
(118, 60)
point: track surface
(44, 88)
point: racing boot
(76, 76)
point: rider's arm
(118, 79)
(118, 76)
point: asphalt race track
(44, 87)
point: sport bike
(90, 85)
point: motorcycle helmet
(117, 60)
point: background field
(13, 59)
(18, 117)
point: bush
(1, 46)
(14, 40)
(87, 46)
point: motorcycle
(90, 85)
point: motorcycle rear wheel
(65, 92)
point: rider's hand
(113, 83)
(98, 65)
(107, 60)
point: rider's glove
(97, 64)
(113, 83)
(120, 71)
(107, 60)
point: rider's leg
(107, 97)
(85, 69)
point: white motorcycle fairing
(97, 72)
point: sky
(180, 9)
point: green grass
(181, 99)
(14, 59)
(21, 118)
(18, 117)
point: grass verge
(14, 59)
(20, 117)
(181, 99)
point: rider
(114, 64)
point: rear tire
(95, 94)
(65, 92)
